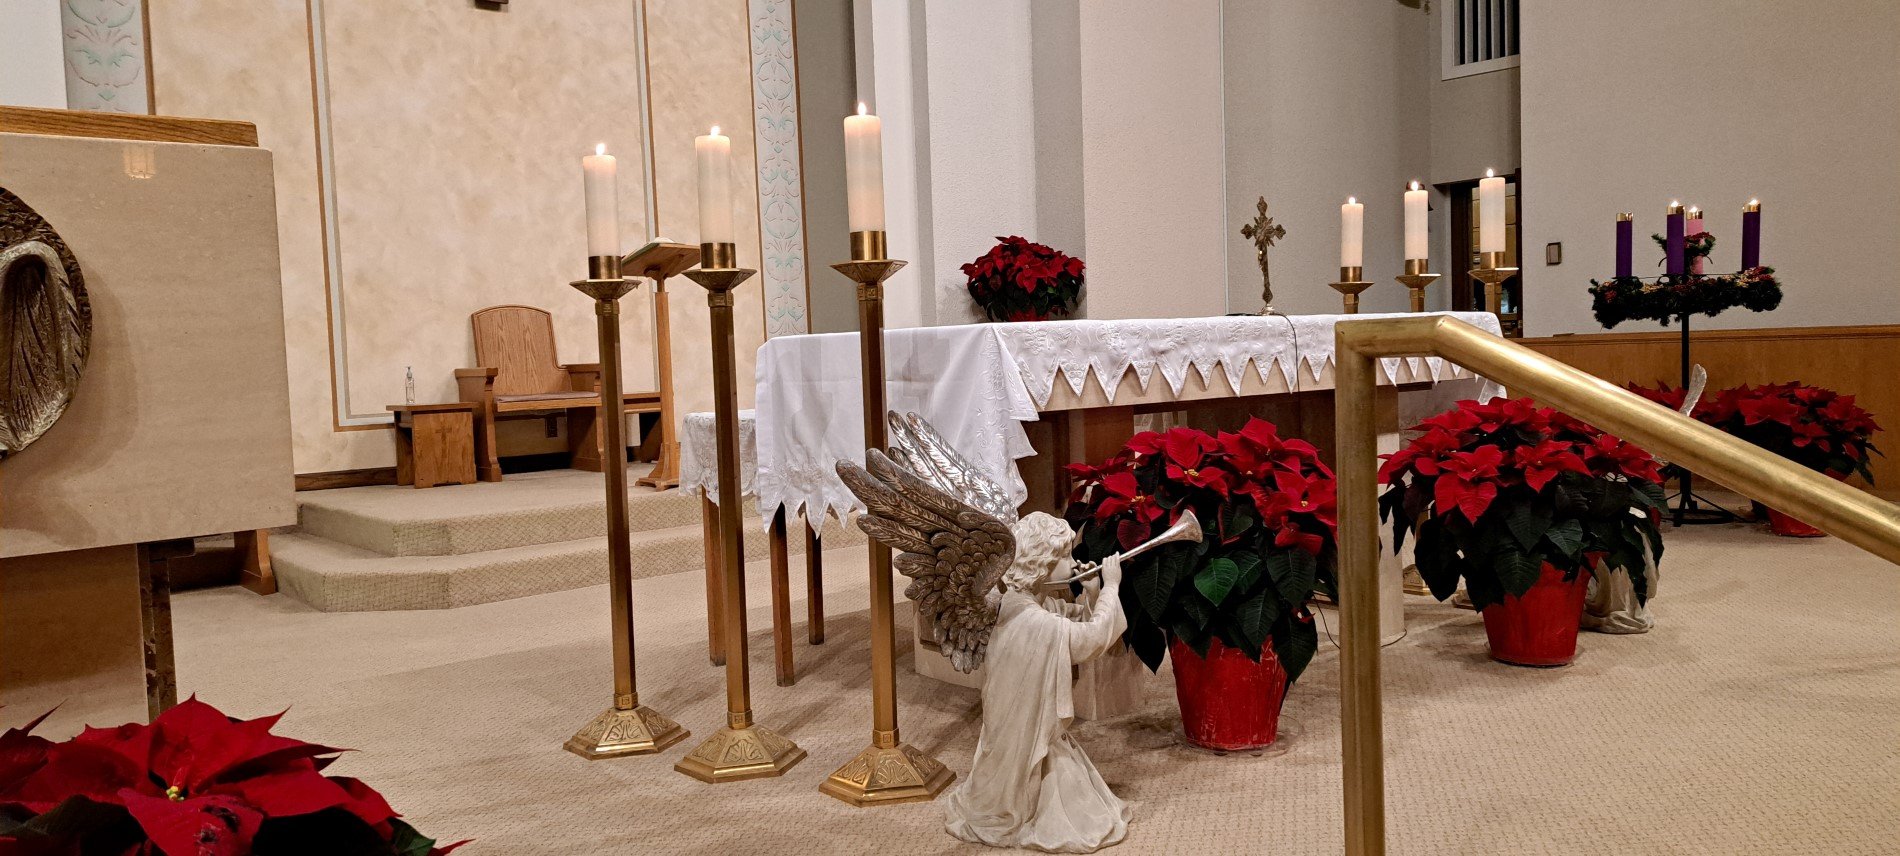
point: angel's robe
(1030, 785)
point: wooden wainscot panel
(1860, 361)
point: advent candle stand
(1689, 511)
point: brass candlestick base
(616, 733)
(735, 754)
(1492, 272)
(627, 728)
(888, 775)
(1352, 280)
(741, 750)
(889, 772)
(1417, 278)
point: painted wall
(1317, 111)
(1152, 158)
(1628, 104)
(32, 70)
(827, 89)
(448, 180)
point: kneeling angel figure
(986, 579)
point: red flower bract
(194, 780)
(1018, 280)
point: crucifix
(1263, 232)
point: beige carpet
(1762, 716)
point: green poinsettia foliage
(1494, 492)
(1269, 521)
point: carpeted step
(338, 577)
(527, 509)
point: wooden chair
(519, 378)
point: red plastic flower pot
(1782, 524)
(1228, 702)
(1539, 628)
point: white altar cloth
(978, 383)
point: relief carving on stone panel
(45, 325)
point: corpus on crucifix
(1263, 232)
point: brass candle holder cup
(742, 749)
(629, 727)
(1492, 272)
(889, 772)
(1352, 280)
(1417, 278)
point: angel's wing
(916, 446)
(1698, 381)
(953, 553)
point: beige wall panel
(701, 69)
(250, 60)
(458, 134)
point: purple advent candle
(1625, 244)
(1673, 241)
(1751, 235)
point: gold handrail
(1852, 515)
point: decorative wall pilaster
(781, 187)
(105, 55)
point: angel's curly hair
(1043, 543)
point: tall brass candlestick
(741, 750)
(629, 727)
(1492, 272)
(1352, 280)
(890, 771)
(1417, 278)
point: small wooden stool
(699, 473)
(435, 443)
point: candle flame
(1674, 202)
(862, 110)
(600, 148)
(1753, 201)
(715, 131)
(1352, 200)
(1490, 173)
(1414, 185)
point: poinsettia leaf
(1255, 616)
(331, 832)
(1650, 494)
(1483, 589)
(1215, 580)
(1149, 643)
(1527, 522)
(77, 822)
(1567, 537)
(1517, 570)
(288, 792)
(1250, 565)
(1296, 646)
(1296, 586)
(1194, 637)
(1199, 611)
(1155, 589)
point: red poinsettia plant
(1020, 280)
(1818, 428)
(1269, 522)
(1495, 491)
(193, 783)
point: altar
(1020, 400)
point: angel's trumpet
(1188, 528)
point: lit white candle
(864, 171)
(1491, 213)
(714, 154)
(603, 210)
(1352, 233)
(1417, 228)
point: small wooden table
(435, 443)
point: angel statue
(987, 581)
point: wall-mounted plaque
(45, 325)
